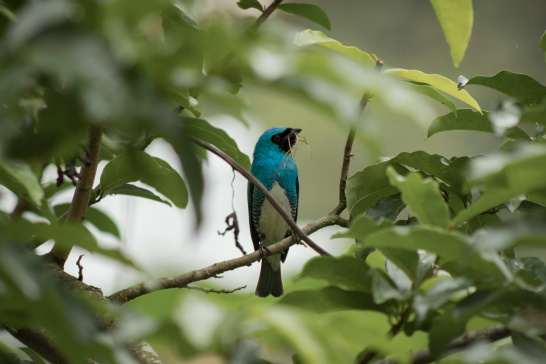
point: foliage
(143, 70)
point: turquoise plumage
(274, 166)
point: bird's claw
(262, 250)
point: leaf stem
(349, 146)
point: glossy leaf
(365, 188)
(19, 178)
(139, 166)
(204, 131)
(446, 245)
(506, 176)
(467, 119)
(362, 226)
(247, 4)
(383, 289)
(452, 171)
(307, 11)
(387, 208)
(520, 86)
(132, 190)
(441, 83)
(309, 37)
(330, 299)
(433, 94)
(415, 190)
(456, 18)
(346, 272)
(99, 219)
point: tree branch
(491, 334)
(267, 12)
(217, 291)
(265, 192)
(348, 148)
(144, 353)
(82, 194)
(213, 270)
(40, 342)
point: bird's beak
(292, 132)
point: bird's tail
(270, 281)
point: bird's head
(279, 137)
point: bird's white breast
(273, 228)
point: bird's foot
(262, 248)
(297, 238)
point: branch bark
(265, 192)
(183, 280)
(491, 334)
(82, 194)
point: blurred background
(404, 33)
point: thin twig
(213, 270)
(233, 224)
(218, 291)
(80, 268)
(267, 13)
(490, 334)
(349, 146)
(295, 228)
(82, 194)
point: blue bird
(275, 167)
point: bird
(274, 166)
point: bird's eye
(276, 138)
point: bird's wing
(294, 201)
(253, 217)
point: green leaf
(386, 208)
(132, 190)
(247, 4)
(433, 94)
(330, 299)
(18, 177)
(456, 18)
(444, 328)
(423, 197)
(99, 219)
(520, 86)
(139, 166)
(441, 83)
(383, 288)
(481, 221)
(36, 359)
(309, 37)
(447, 245)
(467, 119)
(348, 272)
(67, 234)
(204, 131)
(307, 11)
(168, 182)
(452, 172)
(360, 227)
(505, 176)
(365, 188)
(406, 260)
